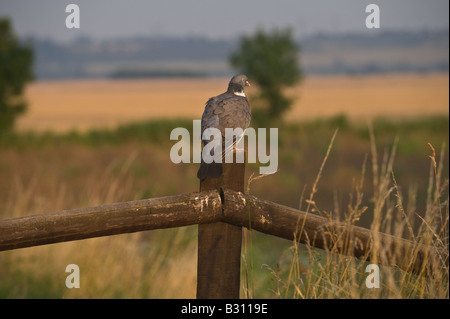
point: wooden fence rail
(220, 213)
(111, 219)
(202, 208)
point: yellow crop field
(83, 104)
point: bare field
(65, 105)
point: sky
(217, 19)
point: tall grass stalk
(329, 274)
(247, 255)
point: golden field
(83, 104)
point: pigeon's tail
(212, 170)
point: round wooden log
(219, 244)
(308, 228)
(112, 219)
(218, 207)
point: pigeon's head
(237, 83)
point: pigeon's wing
(224, 111)
(210, 120)
(234, 112)
(209, 117)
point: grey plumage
(227, 110)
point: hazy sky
(227, 18)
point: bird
(230, 109)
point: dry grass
(162, 264)
(65, 105)
(124, 266)
(310, 273)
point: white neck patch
(242, 93)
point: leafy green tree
(15, 72)
(270, 60)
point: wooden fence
(220, 209)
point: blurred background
(86, 114)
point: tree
(15, 72)
(271, 61)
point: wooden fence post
(219, 244)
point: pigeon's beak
(247, 83)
